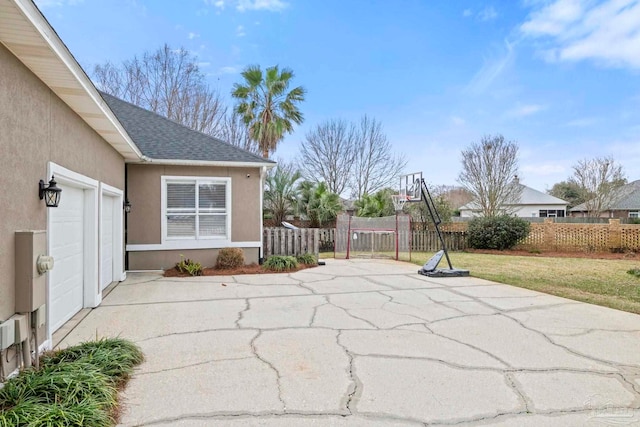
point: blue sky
(560, 77)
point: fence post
(615, 234)
(549, 233)
(316, 243)
(268, 247)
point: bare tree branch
(598, 181)
(374, 164)
(167, 82)
(327, 154)
(234, 131)
(489, 173)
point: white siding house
(532, 204)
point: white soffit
(28, 35)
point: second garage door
(67, 248)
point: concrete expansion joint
(254, 351)
(315, 310)
(191, 365)
(568, 349)
(241, 313)
(203, 331)
(481, 350)
(513, 383)
(356, 385)
(480, 419)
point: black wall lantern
(127, 206)
(50, 193)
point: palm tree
(318, 203)
(267, 107)
(281, 195)
(375, 205)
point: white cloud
(219, 4)
(574, 30)
(204, 64)
(231, 69)
(270, 5)
(467, 13)
(193, 35)
(487, 14)
(583, 122)
(525, 110)
(457, 121)
(492, 69)
(240, 31)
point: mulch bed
(549, 254)
(246, 269)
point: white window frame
(197, 180)
(634, 214)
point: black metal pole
(426, 196)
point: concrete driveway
(368, 343)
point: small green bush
(230, 258)
(65, 383)
(280, 263)
(185, 265)
(76, 386)
(634, 272)
(306, 259)
(32, 413)
(499, 232)
(114, 357)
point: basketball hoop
(398, 201)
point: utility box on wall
(30, 284)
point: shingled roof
(627, 198)
(529, 196)
(159, 138)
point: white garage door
(107, 242)
(66, 239)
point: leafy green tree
(318, 203)
(420, 214)
(267, 106)
(281, 193)
(375, 205)
(568, 191)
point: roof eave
(217, 163)
(35, 43)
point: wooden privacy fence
(427, 240)
(546, 236)
(553, 236)
(282, 241)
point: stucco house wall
(36, 128)
(144, 235)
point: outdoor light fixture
(127, 206)
(50, 193)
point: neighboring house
(191, 194)
(624, 204)
(532, 204)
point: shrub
(114, 357)
(230, 258)
(306, 259)
(498, 232)
(75, 386)
(66, 383)
(185, 265)
(634, 272)
(280, 263)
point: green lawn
(596, 281)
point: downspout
(126, 217)
(263, 174)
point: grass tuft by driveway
(597, 281)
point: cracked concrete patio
(368, 343)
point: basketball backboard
(411, 186)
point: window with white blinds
(196, 208)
